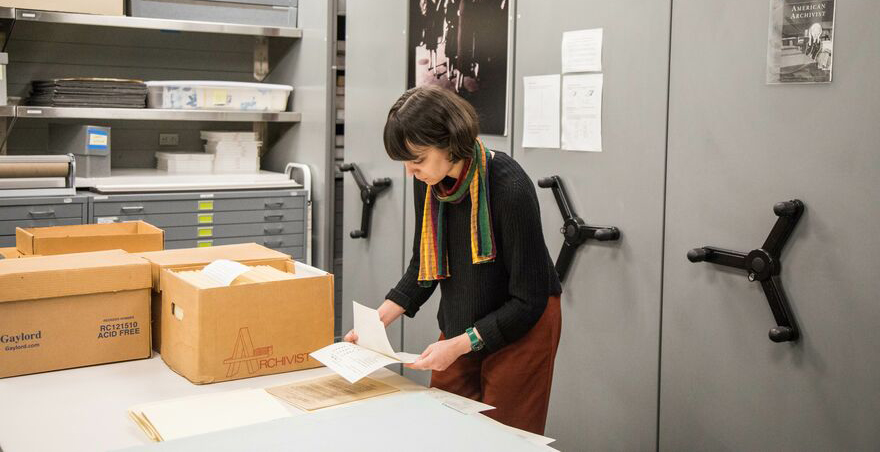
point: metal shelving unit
(146, 23)
(149, 114)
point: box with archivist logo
(72, 310)
(190, 258)
(249, 328)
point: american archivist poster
(462, 45)
(800, 49)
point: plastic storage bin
(209, 95)
(179, 162)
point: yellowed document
(329, 391)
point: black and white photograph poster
(462, 45)
(801, 41)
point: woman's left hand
(440, 355)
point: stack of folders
(207, 279)
(234, 152)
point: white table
(85, 409)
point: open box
(131, 236)
(239, 331)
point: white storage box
(212, 95)
(178, 162)
(233, 148)
(236, 164)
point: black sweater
(504, 298)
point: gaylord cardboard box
(239, 331)
(195, 258)
(131, 236)
(72, 310)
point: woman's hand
(440, 355)
(351, 337)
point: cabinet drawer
(233, 230)
(41, 211)
(7, 241)
(297, 253)
(273, 241)
(209, 218)
(135, 207)
(8, 227)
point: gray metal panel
(8, 227)
(298, 253)
(234, 230)
(7, 241)
(306, 66)
(277, 241)
(375, 78)
(41, 211)
(257, 13)
(209, 218)
(605, 386)
(216, 205)
(736, 147)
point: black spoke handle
(368, 197)
(574, 229)
(764, 265)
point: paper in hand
(372, 351)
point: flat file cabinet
(37, 211)
(273, 218)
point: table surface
(85, 409)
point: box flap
(72, 274)
(193, 257)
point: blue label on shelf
(98, 139)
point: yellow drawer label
(204, 243)
(207, 231)
(206, 205)
(204, 218)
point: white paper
(351, 361)
(541, 111)
(582, 112)
(194, 415)
(457, 402)
(372, 351)
(533, 438)
(225, 271)
(582, 51)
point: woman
(499, 310)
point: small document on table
(372, 351)
(541, 111)
(582, 112)
(458, 403)
(329, 391)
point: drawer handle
(273, 243)
(132, 209)
(274, 205)
(275, 230)
(42, 213)
(272, 216)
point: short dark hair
(431, 116)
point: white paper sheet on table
(582, 112)
(541, 111)
(582, 51)
(372, 351)
(457, 402)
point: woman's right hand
(351, 337)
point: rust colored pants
(515, 380)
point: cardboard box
(248, 330)
(131, 236)
(58, 312)
(195, 258)
(106, 7)
(9, 253)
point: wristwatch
(476, 343)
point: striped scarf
(474, 181)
